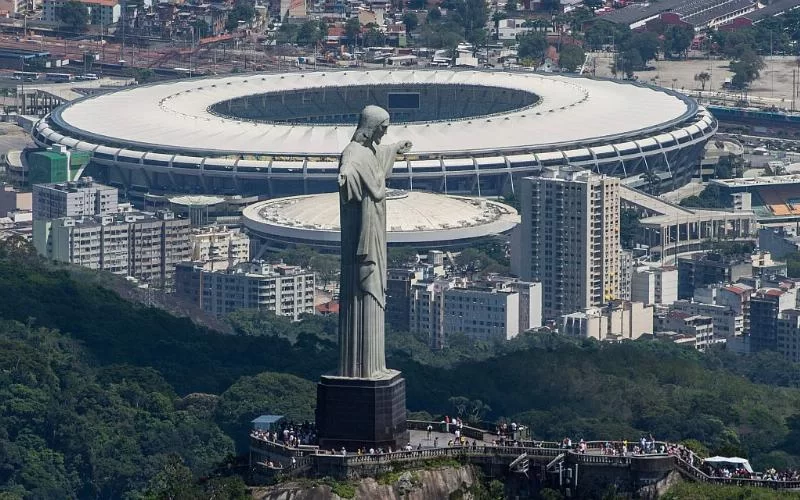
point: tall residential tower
(570, 238)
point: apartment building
(654, 285)
(141, 245)
(619, 320)
(81, 198)
(569, 240)
(219, 246)
(283, 289)
(727, 323)
(487, 311)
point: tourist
(430, 429)
(436, 442)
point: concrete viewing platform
(545, 462)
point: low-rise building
(779, 241)
(619, 320)
(699, 270)
(727, 323)
(654, 285)
(219, 247)
(765, 267)
(14, 200)
(497, 310)
(101, 12)
(691, 326)
(280, 288)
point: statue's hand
(404, 147)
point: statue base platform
(362, 413)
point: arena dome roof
(474, 132)
(177, 115)
(412, 218)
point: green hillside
(100, 396)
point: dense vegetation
(124, 398)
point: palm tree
(702, 77)
(496, 18)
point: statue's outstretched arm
(398, 148)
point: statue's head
(372, 125)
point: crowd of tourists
(289, 434)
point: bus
(26, 76)
(58, 77)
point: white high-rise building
(570, 239)
(81, 198)
(654, 285)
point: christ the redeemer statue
(364, 166)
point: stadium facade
(474, 132)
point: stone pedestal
(362, 413)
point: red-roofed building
(694, 325)
(327, 308)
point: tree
(496, 18)
(352, 28)
(627, 62)
(646, 44)
(571, 57)
(311, 33)
(411, 21)
(470, 15)
(373, 37)
(678, 39)
(434, 15)
(265, 393)
(401, 256)
(747, 68)
(74, 15)
(201, 28)
(602, 33)
(287, 33)
(703, 77)
(243, 10)
(550, 5)
(531, 45)
(511, 6)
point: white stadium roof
(411, 216)
(176, 116)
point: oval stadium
(474, 132)
(416, 219)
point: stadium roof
(174, 117)
(775, 7)
(410, 216)
(706, 16)
(696, 12)
(758, 181)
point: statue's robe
(362, 294)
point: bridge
(546, 461)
